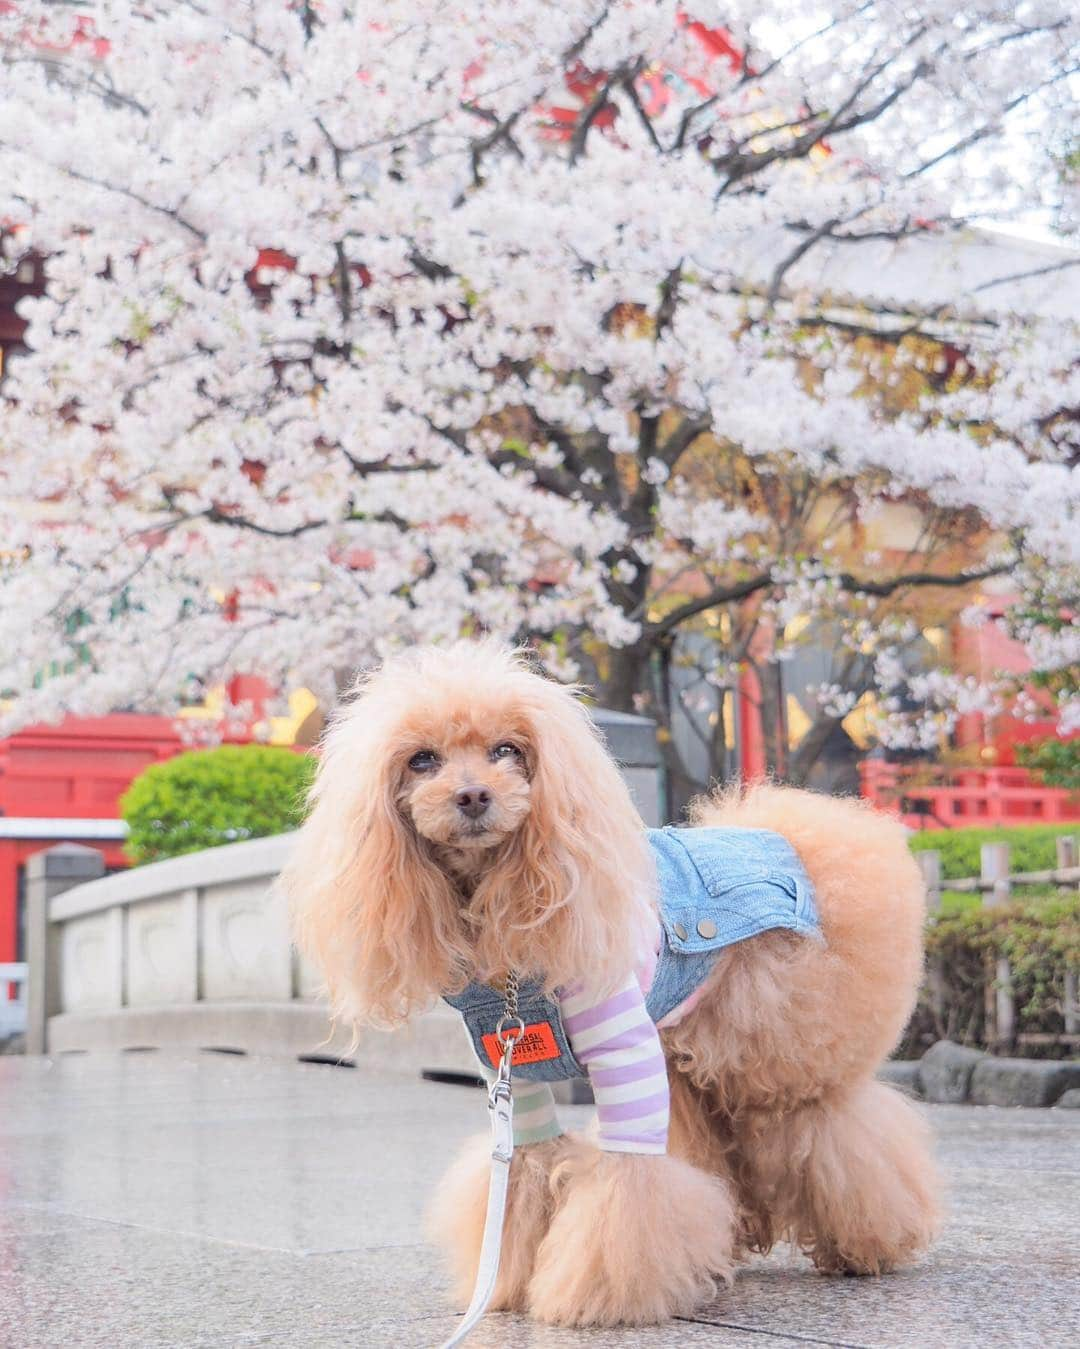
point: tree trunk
(631, 687)
(772, 717)
(802, 760)
(628, 674)
(719, 765)
(681, 787)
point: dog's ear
(371, 911)
(570, 895)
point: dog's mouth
(473, 835)
(477, 833)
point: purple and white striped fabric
(615, 1040)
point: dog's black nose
(473, 801)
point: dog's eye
(423, 761)
(505, 751)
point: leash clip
(500, 1103)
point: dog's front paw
(635, 1240)
(456, 1218)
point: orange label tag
(535, 1044)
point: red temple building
(62, 784)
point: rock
(945, 1072)
(1022, 1081)
(1070, 1100)
(902, 1073)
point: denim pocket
(720, 886)
(549, 1057)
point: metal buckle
(502, 1030)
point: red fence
(928, 797)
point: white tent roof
(975, 273)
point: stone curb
(1013, 1082)
(903, 1074)
(952, 1074)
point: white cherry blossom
(367, 323)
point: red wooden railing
(955, 798)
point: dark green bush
(1031, 846)
(1040, 936)
(205, 798)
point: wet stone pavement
(204, 1200)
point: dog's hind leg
(456, 1217)
(851, 1178)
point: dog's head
(466, 820)
(464, 780)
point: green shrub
(956, 901)
(1055, 762)
(205, 798)
(1031, 846)
(1039, 935)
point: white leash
(501, 1107)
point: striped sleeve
(615, 1040)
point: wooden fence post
(930, 866)
(1000, 1000)
(1066, 857)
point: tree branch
(502, 131)
(627, 86)
(954, 580)
(365, 468)
(680, 440)
(669, 299)
(743, 589)
(1024, 276)
(576, 48)
(427, 267)
(584, 125)
(721, 595)
(739, 166)
(793, 257)
(555, 480)
(126, 192)
(219, 517)
(988, 128)
(688, 117)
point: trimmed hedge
(1032, 846)
(206, 798)
(1039, 935)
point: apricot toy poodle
(729, 989)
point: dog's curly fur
(779, 1130)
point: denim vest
(715, 887)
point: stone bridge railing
(190, 953)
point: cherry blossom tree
(366, 323)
